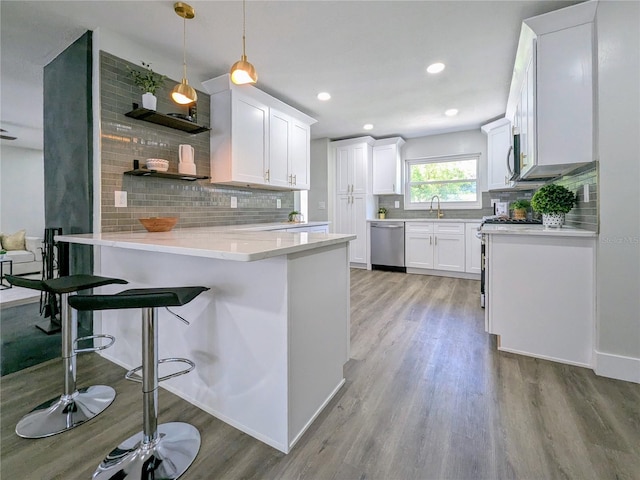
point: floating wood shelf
(166, 120)
(143, 172)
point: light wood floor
(427, 396)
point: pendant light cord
(184, 45)
(244, 27)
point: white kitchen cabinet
(437, 246)
(551, 95)
(354, 200)
(353, 165)
(418, 245)
(351, 218)
(387, 166)
(499, 153)
(257, 140)
(289, 152)
(540, 293)
(472, 247)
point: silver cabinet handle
(509, 169)
(295, 179)
(266, 176)
(430, 240)
(435, 239)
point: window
(454, 179)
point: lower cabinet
(473, 245)
(351, 218)
(436, 246)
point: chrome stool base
(65, 412)
(168, 457)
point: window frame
(409, 162)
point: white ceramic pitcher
(187, 165)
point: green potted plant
(148, 81)
(553, 201)
(3, 252)
(295, 216)
(382, 213)
(520, 208)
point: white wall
(618, 265)
(469, 141)
(21, 190)
(319, 180)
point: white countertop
(436, 220)
(538, 230)
(225, 243)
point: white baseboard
(617, 366)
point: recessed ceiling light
(367, 126)
(324, 96)
(452, 112)
(435, 67)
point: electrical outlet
(322, 206)
(120, 198)
(586, 193)
(494, 201)
(234, 202)
(278, 203)
(396, 204)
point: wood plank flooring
(427, 396)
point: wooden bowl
(158, 224)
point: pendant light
(243, 72)
(183, 93)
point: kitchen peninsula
(269, 339)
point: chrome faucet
(440, 214)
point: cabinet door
(499, 153)
(472, 247)
(386, 170)
(343, 222)
(448, 252)
(299, 155)
(359, 170)
(359, 219)
(418, 250)
(279, 126)
(250, 141)
(343, 182)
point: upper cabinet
(387, 166)
(551, 96)
(257, 140)
(353, 165)
(499, 154)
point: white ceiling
(370, 55)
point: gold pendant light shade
(242, 72)
(183, 93)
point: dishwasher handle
(383, 225)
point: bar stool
(75, 406)
(159, 451)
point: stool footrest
(93, 349)
(130, 374)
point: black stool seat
(137, 298)
(69, 284)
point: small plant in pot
(520, 208)
(2, 254)
(382, 213)
(149, 82)
(553, 201)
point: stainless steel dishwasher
(387, 246)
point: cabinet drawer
(455, 228)
(418, 227)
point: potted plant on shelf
(148, 81)
(520, 208)
(382, 213)
(553, 201)
(3, 252)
